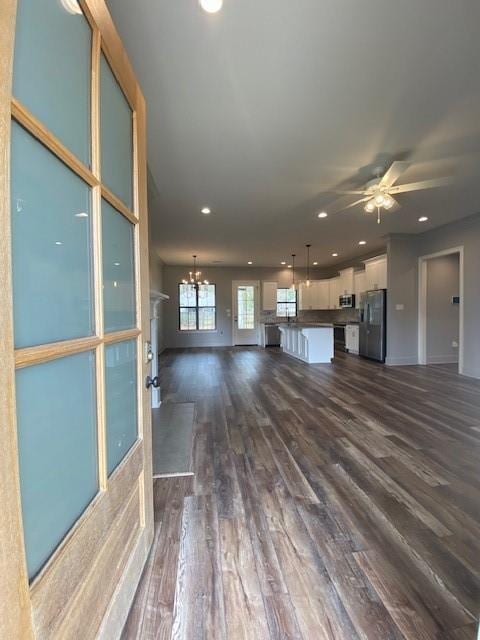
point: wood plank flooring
(329, 502)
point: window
(197, 307)
(286, 303)
(246, 307)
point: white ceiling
(255, 111)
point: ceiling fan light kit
(378, 192)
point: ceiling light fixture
(308, 264)
(206, 211)
(323, 214)
(211, 6)
(423, 219)
(194, 276)
(71, 6)
(283, 262)
(315, 264)
(362, 242)
(289, 266)
(293, 271)
(334, 255)
(249, 262)
(81, 215)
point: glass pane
(282, 295)
(118, 270)
(188, 319)
(52, 267)
(57, 442)
(246, 307)
(52, 71)
(206, 318)
(187, 295)
(291, 295)
(116, 137)
(206, 295)
(121, 400)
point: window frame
(286, 302)
(197, 308)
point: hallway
(329, 501)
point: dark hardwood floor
(329, 501)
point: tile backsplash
(327, 315)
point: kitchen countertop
(306, 325)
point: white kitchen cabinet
(269, 296)
(334, 292)
(322, 294)
(376, 273)
(360, 286)
(352, 332)
(346, 285)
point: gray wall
(403, 253)
(223, 277)
(443, 282)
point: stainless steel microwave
(347, 301)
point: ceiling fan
(378, 193)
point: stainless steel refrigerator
(373, 321)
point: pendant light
(293, 271)
(194, 276)
(308, 264)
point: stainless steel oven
(347, 301)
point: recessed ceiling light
(211, 6)
(322, 214)
(334, 255)
(423, 219)
(249, 262)
(283, 262)
(58, 243)
(116, 264)
(81, 215)
(362, 242)
(289, 266)
(315, 264)
(206, 211)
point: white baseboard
(402, 361)
(446, 359)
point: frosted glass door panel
(57, 450)
(118, 270)
(121, 400)
(116, 137)
(52, 70)
(51, 222)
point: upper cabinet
(316, 296)
(376, 273)
(335, 292)
(360, 286)
(269, 296)
(346, 283)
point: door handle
(152, 382)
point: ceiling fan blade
(354, 204)
(424, 184)
(359, 192)
(393, 173)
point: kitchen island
(310, 342)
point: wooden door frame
(422, 304)
(235, 284)
(124, 503)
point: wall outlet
(399, 307)
(454, 344)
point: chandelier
(194, 276)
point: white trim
(422, 304)
(256, 284)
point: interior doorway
(440, 309)
(245, 301)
